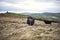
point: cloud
(48, 0)
(56, 2)
(12, 1)
(5, 8)
(30, 5)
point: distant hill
(46, 15)
(9, 14)
(39, 15)
(52, 14)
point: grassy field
(15, 28)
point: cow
(31, 21)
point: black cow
(31, 21)
(47, 22)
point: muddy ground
(17, 29)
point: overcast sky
(32, 6)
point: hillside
(14, 27)
(48, 15)
(9, 14)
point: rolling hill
(48, 15)
(9, 14)
(14, 27)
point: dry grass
(17, 29)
